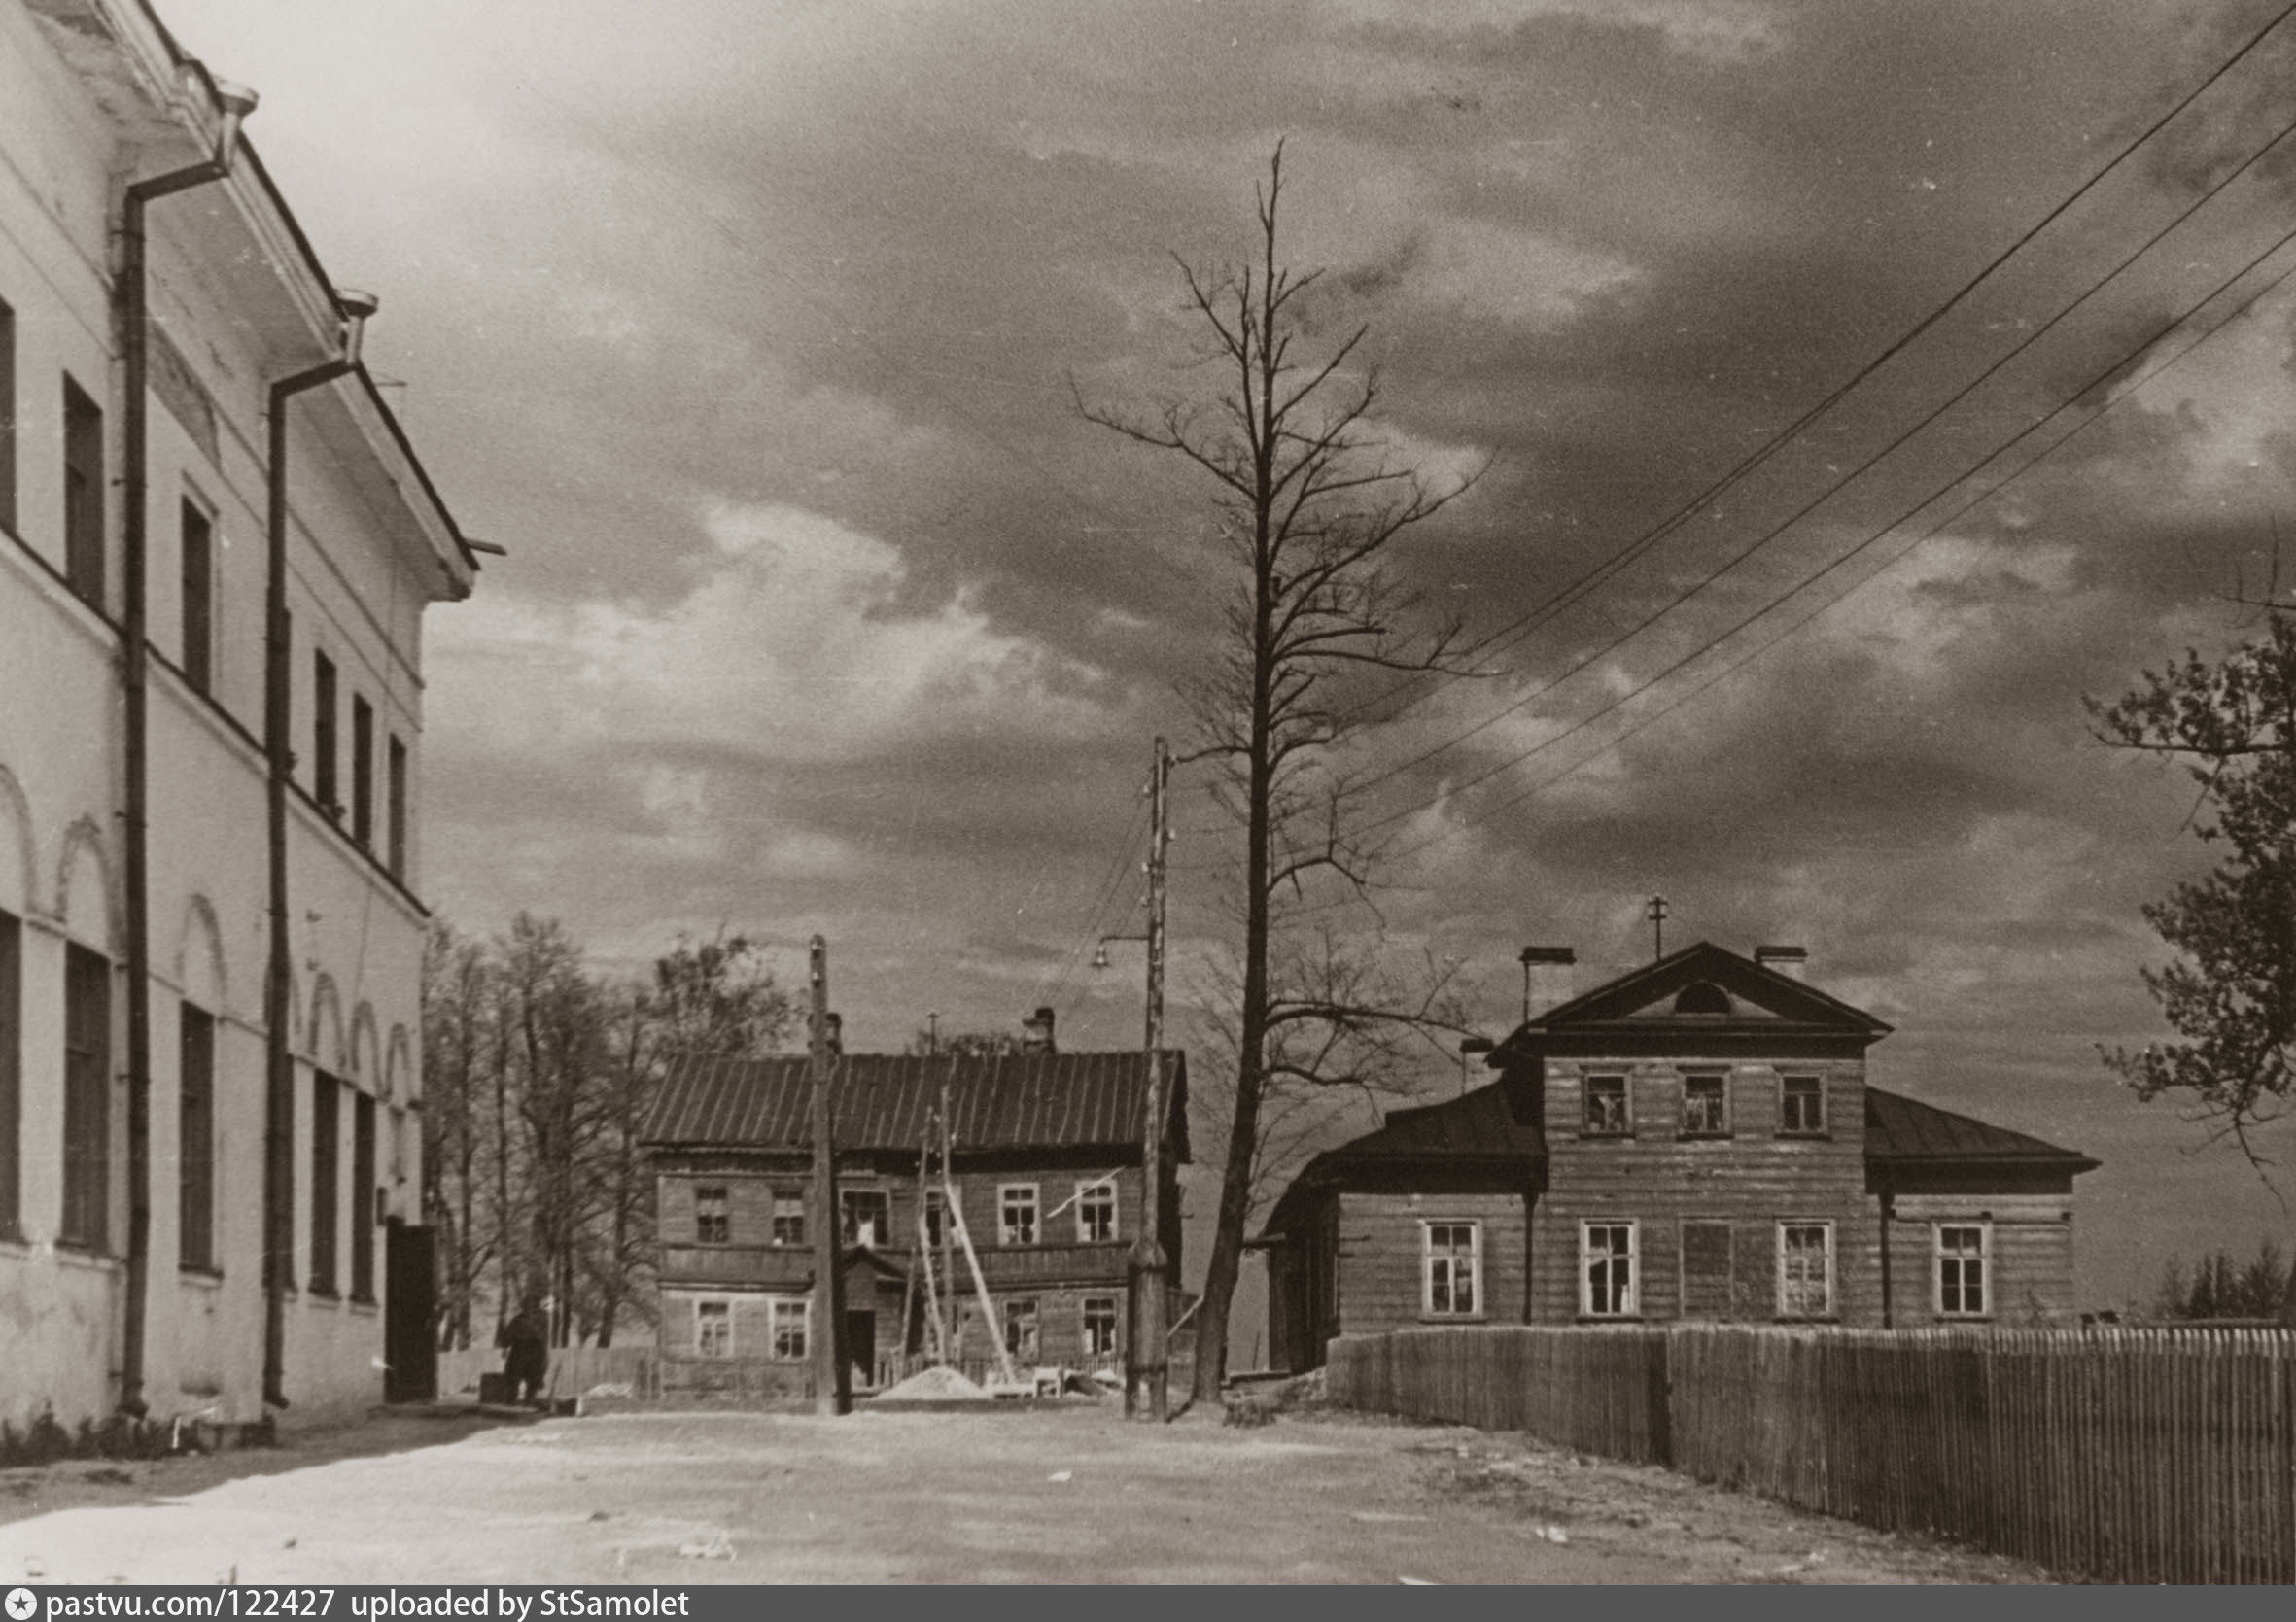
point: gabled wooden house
(1694, 1140)
(1046, 1164)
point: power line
(1927, 421)
(2101, 379)
(1510, 633)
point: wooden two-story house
(1695, 1140)
(1047, 1163)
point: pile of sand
(934, 1385)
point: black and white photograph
(1048, 792)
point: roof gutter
(134, 297)
(279, 764)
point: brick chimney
(836, 1024)
(1793, 962)
(1547, 974)
(1036, 1033)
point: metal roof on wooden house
(888, 1101)
(1904, 1131)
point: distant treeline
(539, 1076)
(2217, 1286)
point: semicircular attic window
(1702, 997)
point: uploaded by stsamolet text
(367, 1604)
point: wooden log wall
(2126, 1455)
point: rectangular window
(936, 1214)
(1016, 1214)
(1705, 1107)
(1096, 1211)
(713, 1220)
(1606, 1107)
(198, 550)
(88, 1099)
(1609, 1280)
(326, 1195)
(395, 787)
(323, 785)
(362, 770)
(1020, 1331)
(364, 1193)
(196, 1141)
(864, 1217)
(7, 417)
(12, 1071)
(789, 1318)
(1452, 1270)
(714, 1329)
(1962, 1252)
(1802, 1105)
(83, 497)
(1099, 1326)
(1805, 1269)
(790, 1215)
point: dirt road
(1057, 1495)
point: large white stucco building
(106, 1106)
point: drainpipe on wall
(1889, 1300)
(234, 104)
(278, 675)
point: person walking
(526, 1358)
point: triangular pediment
(1707, 988)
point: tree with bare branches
(1313, 504)
(2230, 993)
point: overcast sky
(748, 328)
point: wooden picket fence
(2129, 1455)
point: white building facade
(148, 1141)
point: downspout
(1889, 1197)
(234, 105)
(278, 674)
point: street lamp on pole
(1147, 1362)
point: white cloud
(793, 647)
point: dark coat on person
(526, 1349)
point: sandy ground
(1070, 1495)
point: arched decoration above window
(19, 884)
(1702, 997)
(200, 957)
(84, 899)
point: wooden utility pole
(832, 1380)
(1147, 1358)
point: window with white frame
(789, 1316)
(1020, 1329)
(1610, 1274)
(1805, 1269)
(1705, 1105)
(867, 1217)
(1096, 1211)
(713, 1222)
(1801, 1106)
(1451, 1269)
(1099, 1326)
(788, 1217)
(1016, 1214)
(714, 1329)
(1964, 1251)
(1605, 1113)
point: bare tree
(456, 1003)
(1311, 504)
